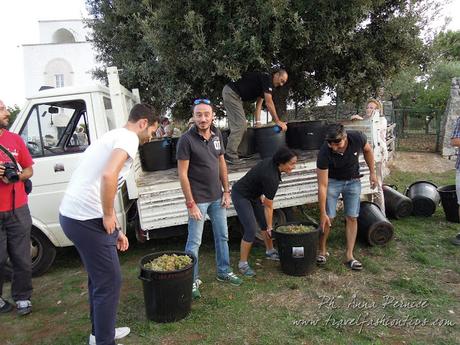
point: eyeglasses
(201, 101)
(335, 141)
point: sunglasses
(201, 101)
(335, 141)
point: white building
(64, 56)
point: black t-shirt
(263, 179)
(203, 170)
(252, 85)
(343, 166)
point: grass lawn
(408, 293)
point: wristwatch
(190, 203)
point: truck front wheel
(42, 254)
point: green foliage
(178, 50)
(14, 111)
(428, 86)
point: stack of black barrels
(160, 154)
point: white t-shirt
(82, 199)
(379, 130)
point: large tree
(178, 50)
(427, 86)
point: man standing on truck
(87, 216)
(338, 173)
(203, 173)
(15, 220)
(253, 86)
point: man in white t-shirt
(87, 216)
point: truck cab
(57, 126)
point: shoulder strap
(8, 153)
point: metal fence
(417, 130)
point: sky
(19, 25)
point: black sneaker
(456, 240)
(5, 306)
(233, 161)
(23, 307)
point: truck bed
(161, 202)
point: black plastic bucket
(297, 251)
(268, 140)
(248, 144)
(373, 226)
(397, 205)
(156, 155)
(167, 295)
(425, 198)
(174, 141)
(306, 135)
(449, 202)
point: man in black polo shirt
(203, 174)
(252, 87)
(338, 173)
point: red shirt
(13, 143)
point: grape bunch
(168, 262)
(295, 229)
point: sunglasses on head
(201, 101)
(335, 141)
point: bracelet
(226, 191)
(190, 204)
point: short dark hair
(284, 155)
(335, 131)
(143, 111)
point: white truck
(58, 124)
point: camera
(10, 172)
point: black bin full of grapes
(167, 279)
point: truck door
(56, 133)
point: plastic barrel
(449, 202)
(297, 251)
(167, 295)
(306, 135)
(247, 146)
(156, 155)
(373, 227)
(397, 205)
(174, 141)
(425, 198)
(268, 140)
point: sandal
(354, 265)
(321, 259)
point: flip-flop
(354, 265)
(321, 259)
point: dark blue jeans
(98, 252)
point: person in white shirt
(87, 216)
(374, 114)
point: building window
(59, 78)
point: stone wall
(449, 119)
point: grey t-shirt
(203, 170)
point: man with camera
(15, 220)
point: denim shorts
(351, 192)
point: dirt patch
(421, 162)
